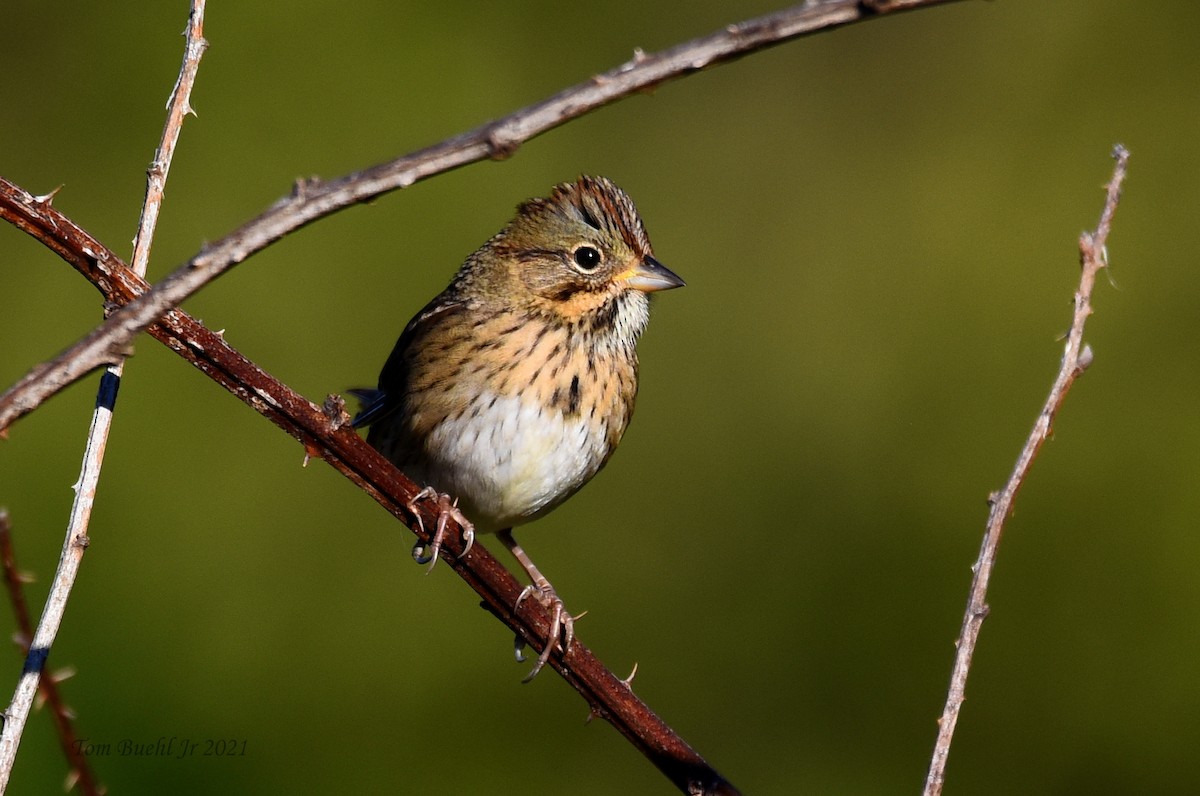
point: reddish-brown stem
(80, 772)
(325, 434)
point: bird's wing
(386, 398)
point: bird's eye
(587, 258)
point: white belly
(509, 461)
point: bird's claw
(447, 509)
(561, 624)
(519, 645)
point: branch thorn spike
(47, 198)
(65, 673)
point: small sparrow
(512, 388)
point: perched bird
(512, 388)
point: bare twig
(80, 772)
(314, 199)
(179, 105)
(76, 541)
(1076, 358)
(325, 434)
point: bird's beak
(650, 275)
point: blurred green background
(878, 228)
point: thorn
(311, 451)
(1112, 280)
(47, 198)
(628, 681)
(25, 576)
(65, 673)
(39, 701)
(594, 713)
(639, 58)
(20, 639)
(71, 781)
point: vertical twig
(80, 772)
(76, 541)
(178, 107)
(1076, 358)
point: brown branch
(325, 434)
(80, 772)
(1076, 358)
(314, 199)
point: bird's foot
(561, 624)
(427, 553)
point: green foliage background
(878, 228)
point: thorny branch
(80, 772)
(325, 433)
(1076, 358)
(75, 542)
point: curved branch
(314, 199)
(326, 433)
